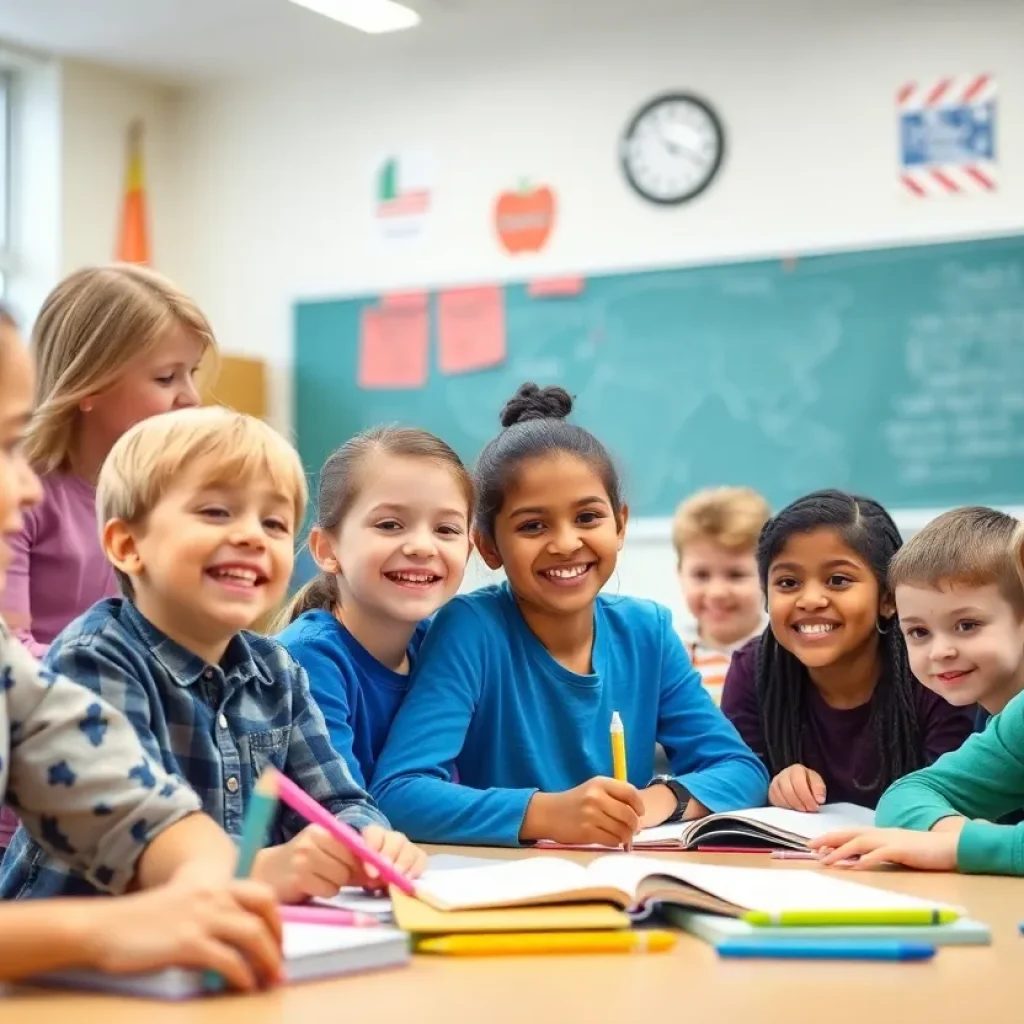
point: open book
(311, 951)
(760, 895)
(758, 827)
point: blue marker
(810, 950)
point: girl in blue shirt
(391, 541)
(516, 684)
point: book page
(830, 818)
(658, 835)
(505, 884)
(776, 891)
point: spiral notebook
(312, 952)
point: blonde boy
(715, 535)
(198, 512)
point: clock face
(672, 149)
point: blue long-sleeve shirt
(488, 700)
(356, 693)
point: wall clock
(672, 148)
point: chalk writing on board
(965, 412)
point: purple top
(838, 744)
(57, 571)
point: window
(5, 181)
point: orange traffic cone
(133, 243)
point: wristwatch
(681, 793)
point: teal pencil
(258, 816)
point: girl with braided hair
(825, 696)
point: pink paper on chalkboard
(471, 329)
(394, 342)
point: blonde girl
(113, 345)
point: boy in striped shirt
(715, 536)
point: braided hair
(782, 680)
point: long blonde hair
(92, 325)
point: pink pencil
(302, 803)
(327, 915)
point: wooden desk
(966, 985)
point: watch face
(672, 149)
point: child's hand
(602, 811)
(927, 851)
(798, 788)
(231, 928)
(408, 858)
(313, 863)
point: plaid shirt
(216, 727)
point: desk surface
(962, 984)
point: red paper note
(393, 346)
(555, 287)
(471, 328)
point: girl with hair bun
(517, 683)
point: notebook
(714, 929)
(637, 883)
(757, 827)
(419, 918)
(312, 951)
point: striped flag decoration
(947, 136)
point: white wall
(264, 195)
(98, 106)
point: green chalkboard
(898, 373)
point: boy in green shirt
(960, 601)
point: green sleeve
(983, 779)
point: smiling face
(823, 600)
(209, 560)
(19, 486)
(722, 591)
(556, 535)
(400, 551)
(965, 643)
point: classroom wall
(279, 169)
(98, 106)
(261, 189)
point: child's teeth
(816, 628)
(568, 574)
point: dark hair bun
(533, 403)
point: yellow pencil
(618, 735)
(537, 943)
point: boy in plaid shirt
(199, 510)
